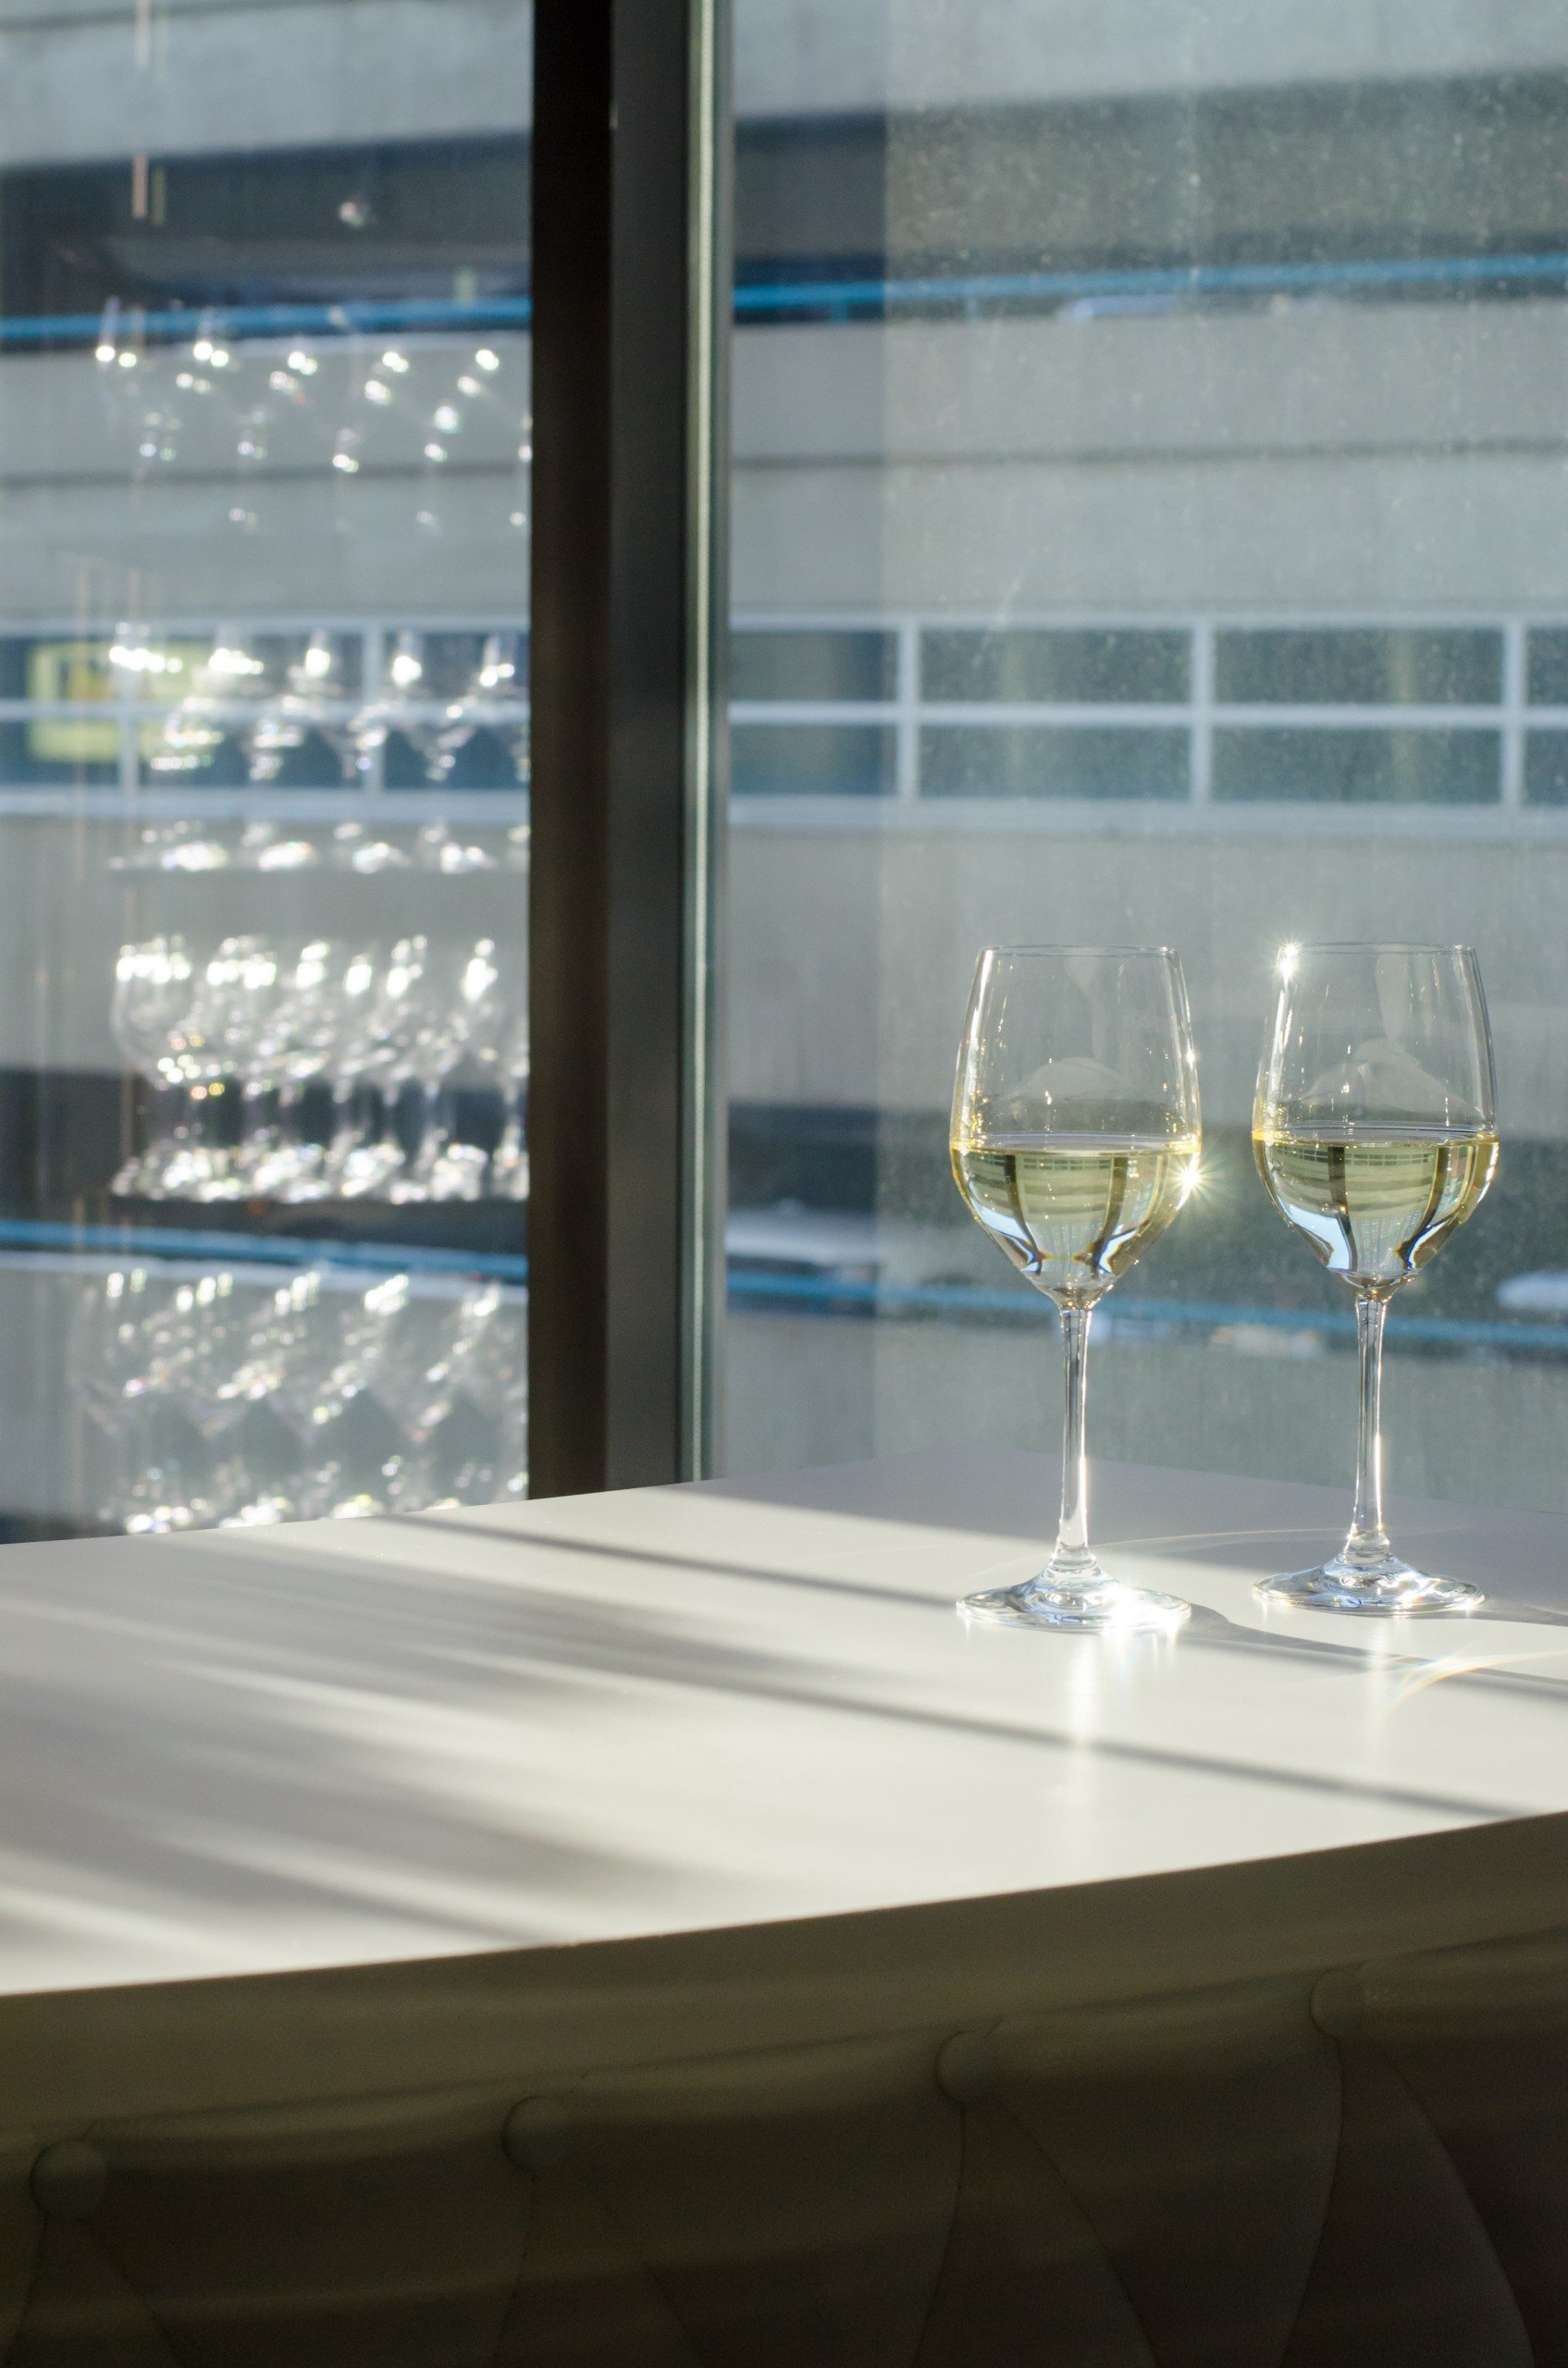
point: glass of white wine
(1374, 1133)
(1075, 1136)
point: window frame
(629, 563)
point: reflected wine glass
(293, 1050)
(314, 703)
(508, 1178)
(498, 1057)
(380, 1050)
(209, 1378)
(1075, 1136)
(405, 704)
(492, 1377)
(107, 1359)
(233, 995)
(349, 1025)
(155, 986)
(1375, 1135)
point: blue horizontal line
(960, 1300)
(759, 299)
(251, 1249)
(1199, 279)
(272, 320)
(806, 1292)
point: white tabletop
(674, 1710)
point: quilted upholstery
(1215, 2180)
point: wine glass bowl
(1374, 1133)
(1074, 1141)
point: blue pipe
(1199, 279)
(258, 1249)
(806, 1292)
(759, 300)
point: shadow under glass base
(1103, 1608)
(1381, 1591)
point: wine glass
(312, 704)
(1374, 1133)
(155, 987)
(107, 1366)
(456, 998)
(292, 1051)
(233, 992)
(493, 1379)
(381, 1051)
(501, 1056)
(1076, 1135)
(349, 1034)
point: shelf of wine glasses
(282, 707)
(346, 835)
(212, 1381)
(326, 1070)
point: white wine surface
(1375, 1206)
(1073, 1212)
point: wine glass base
(1380, 1594)
(1108, 1609)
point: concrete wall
(803, 1390)
(853, 951)
(814, 56)
(80, 79)
(1349, 459)
(93, 528)
(1330, 457)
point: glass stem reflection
(1367, 1544)
(1072, 1561)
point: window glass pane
(811, 761)
(1118, 669)
(1364, 669)
(1546, 768)
(1548, 669)
(1159, 354)
(813, 665)
(1358, 768)
(1011, 760)
(263, 712)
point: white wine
(1073, 1212)
(1375, 1206)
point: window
(1105, 668)
(1177, 418)
(264, 761)
(958, 760)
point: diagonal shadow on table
(1359, 1644)
(323, 1735)
(1010, 1491)
(701, 1658)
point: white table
(463, 1743)
(316, 1841)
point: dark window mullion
(627, 581)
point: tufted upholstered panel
(1367, 2173)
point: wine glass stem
(1072, 1558)
(1368, 1540)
